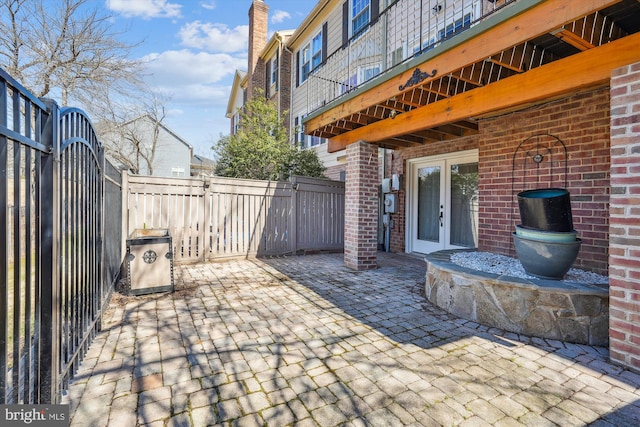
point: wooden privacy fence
(224, 217)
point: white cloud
(279, 16)
(192, 78)
(146, 9)
(214, 37)
(209, 5)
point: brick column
(624, 231)
(361, 207)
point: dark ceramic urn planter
(546, 243)
(546, 259)
(546, 209)
(547, 236)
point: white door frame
(412, 166)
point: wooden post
(293, 228)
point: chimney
(258, 23)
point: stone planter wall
(550, 309)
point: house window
(305, 141)
(177, 172)
(316, 51)
(397, 56)
(348, 85)
(360, 15)
(310, 57)
(299, 129)
(368, 73)
(236, 123)
(456, 26)
(274, 70)
(363, 75)
(312, 141)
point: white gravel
(504, 265)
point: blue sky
(192, 49)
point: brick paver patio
(306, 341)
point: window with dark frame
(311, 56)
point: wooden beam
(573, 39)
(591, 68)
(396, 143)
(453, 130)
(532, 23)
(467, 125)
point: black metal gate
(51, 247)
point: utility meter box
(396, 182)
(386, 185)
(149, 261)
(390, 203)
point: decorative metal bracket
(150, 256)
(416, 78)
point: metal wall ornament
(417, 77)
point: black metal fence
(55, 274)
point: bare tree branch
(131, 133)
(66, 46)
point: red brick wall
(624, 253)
(258, 80)
(581, 122)
(361, 207)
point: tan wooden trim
(534, 22)
(590, 68)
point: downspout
(280, 45)
(285, 47)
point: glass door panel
(429, 203)
(443, 203)
(463, 230)
(427, 223)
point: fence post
(206, 222)
(125, 210)
(49, 212)
(102, 268)
(293, 232)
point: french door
(442, 208)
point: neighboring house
(141, 141)
(478, 100)
(237, 98)
(311, 44)
(202, 166)
(275, 72)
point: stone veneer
(552, 309)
